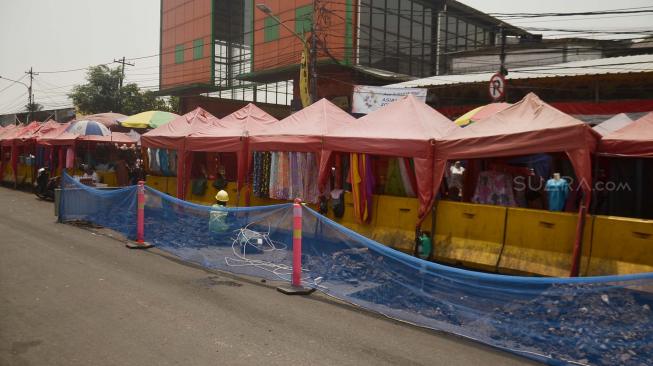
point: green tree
(33, 107)
(102, 93)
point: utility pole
(313, 59)
(30, 96)
(122, 77)
(502, 57)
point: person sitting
(90, 175)
(218, 215)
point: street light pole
(29, 90)
(312, 54)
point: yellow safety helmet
(222, 196)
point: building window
(304, 19)
(179, 54)
(271, 32)
(198, 49)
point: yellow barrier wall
(542, 242)
(157, 182)
(469, 234)
(620, 245)
(536, 242)
(7, 174)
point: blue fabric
(559, 321)
(163, 162)
(557, 192)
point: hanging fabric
(311, 191)
(172, 162)
(266, 159)
(163, 162)
(362, 183)
(393, 183)
(153, 159)
(408, 176)
(274, 175)
(494, 188)
(70, 158)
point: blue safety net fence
(559, 321)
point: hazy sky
(53, 35)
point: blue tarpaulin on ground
(594, 321)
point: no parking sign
(497, 87)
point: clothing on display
(163, 162)
(291, 175)
(70, 158)
(494, 188)
(456, 176)
(557, 190)
(362, 183)
(394, 183)
(172, 162)
(152, 156)
(408, 176)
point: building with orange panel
(239, 51)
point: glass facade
(403, 36)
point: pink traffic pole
(140, 219)
(295, 287)
(297, 243)
(140, 213)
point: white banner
(370, 98)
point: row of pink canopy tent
(406, 128)
(50, 133)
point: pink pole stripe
(297, 244)
(140, 212)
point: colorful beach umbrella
(149, 119)
(109, 119)
(481, 112)
(88, 128)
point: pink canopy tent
(615, 123)
(404, 128)
(527, 127)
(46, 140)
(30, 137)
(43, 139)
(8, 140)
(634, 140)
(302, 131)
(173, 135)
(249, 118)
(229, 134)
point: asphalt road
(70, 296)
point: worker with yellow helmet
(218, 216)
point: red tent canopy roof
(301, 131)
(45, 137)
(172, 134)
(405, 127)
(248, 118)
(527, 127)
(634, 140)
(489, 110)
(19, 132)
